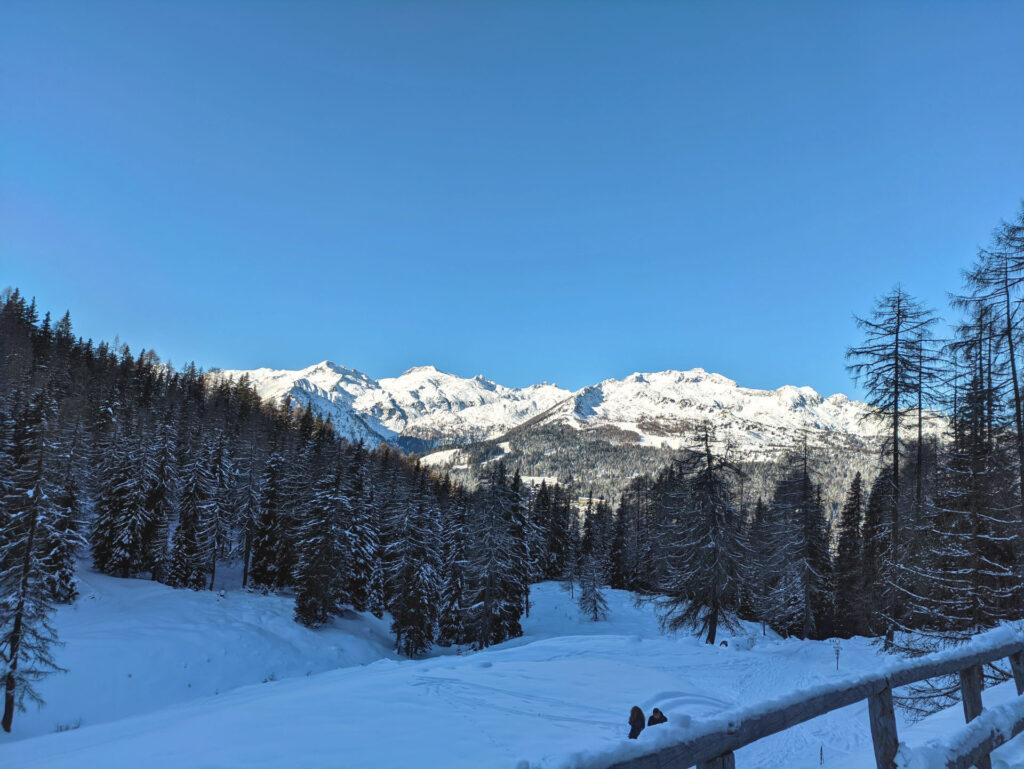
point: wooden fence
(713, 748)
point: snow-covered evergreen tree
(190, 548)
(592, 602)
(363, 540)
(321, 575)
(62, 539)
(121, 515)
(159, 502)
(802, 602)
(521, 534)
(414, 561)
(706, 551)
(221, 512)
(28, 515)
(268, 535)
(495, 602)
(451, 613)
(849, 564)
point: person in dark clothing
(657, 717)
(636, 722)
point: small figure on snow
(636, 722)
(657, 717)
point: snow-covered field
(162, 678)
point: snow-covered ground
(135, 646)
(163, 679)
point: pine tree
(322, 579)
(849, 565)
(762, 567)
(592, 602)
(520, 529)
(553, 513)
(376, 599)
(618, 569)
(964, 568)
(221, 513)
(268, 536)
(249, 510)
(62, 540)
(190, 549)
(495, 602)
(888, 365)
(804, 605)
(362, 534)
(875, 560)
(159, 503)
(26, 635)
(994, 288)
(451, 613)
(121, 515)
(415, 576)
(704, 559)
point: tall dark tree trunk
(894, 534)
(17, 631)
(247, 556)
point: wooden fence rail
(713, 747)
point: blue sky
(561, 191)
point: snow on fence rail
(711, 744)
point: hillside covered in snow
(423, 408)
(600, 435)
(165, 679)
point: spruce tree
(495, 601)
(618, 570)
(451, 613)
(159, 502)
(592, 602)
(362, 534)
(706, 551)
(415, 576)
(876, 563)
(62, 540)
(520, 531)
(268, 535)
(121, 515)
(321, 578)
(221, 513)
(849, 565)
(26, 635)
(190, 549)
(802, 599)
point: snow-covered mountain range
(602, 433)
(422, 408)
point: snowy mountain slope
(556, 698)
(331, 389)
(601, 435)
(664, 408)
(659, 408)
(424, 406)
(133, 646)
(607, 433)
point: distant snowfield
(164, 679)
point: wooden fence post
(724, 761)
(972, 680)
(1017, 666)
(883, 728)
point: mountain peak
(427, 369)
